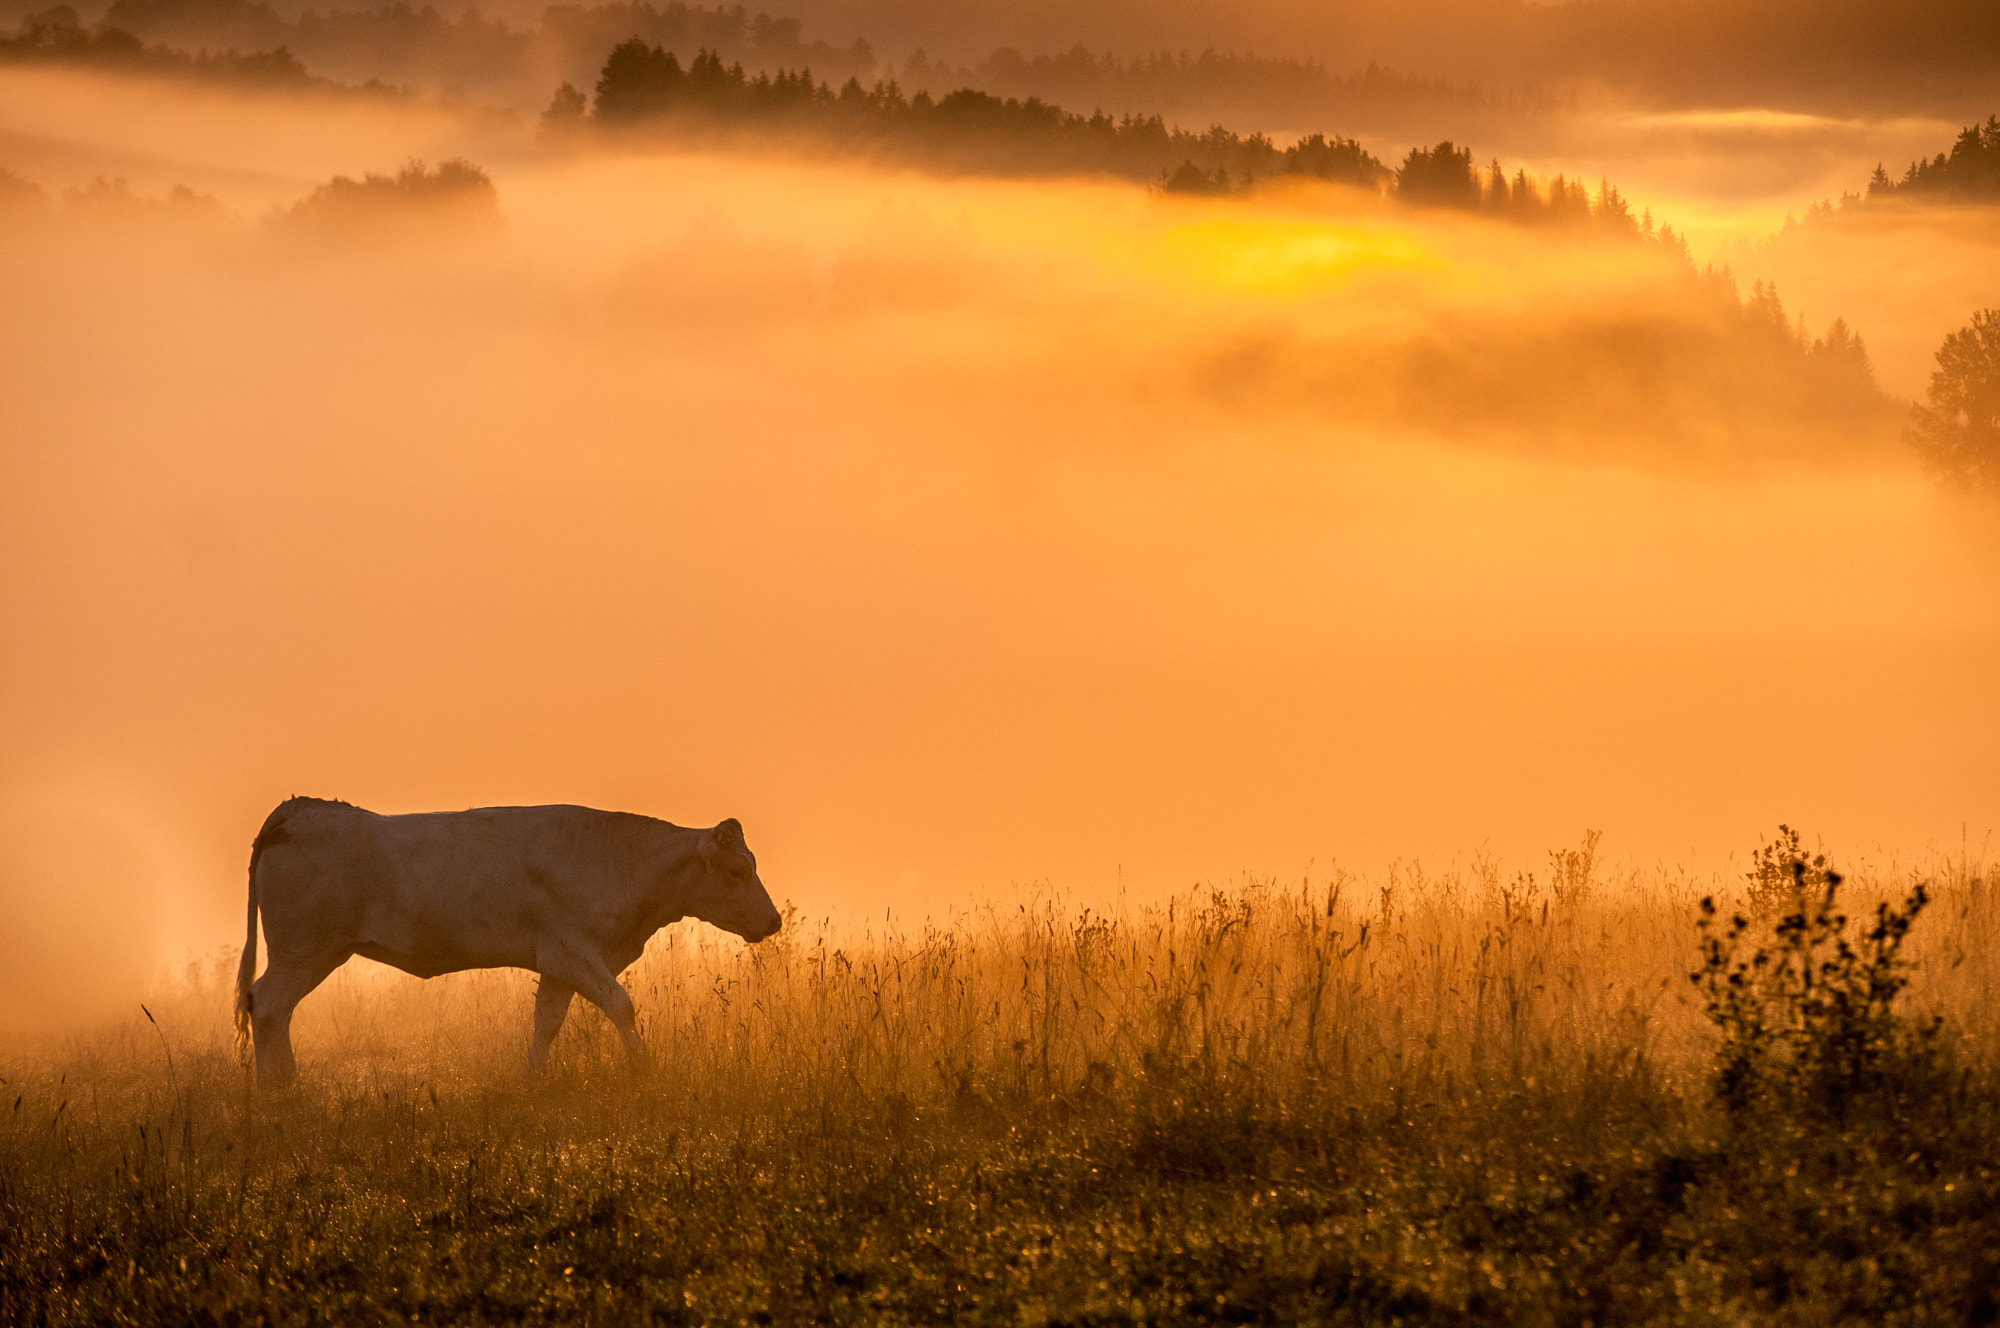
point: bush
(1781, 876)
(1808, 1020)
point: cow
(569, 892)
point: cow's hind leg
(585, 972)
(285, 983)
(552, 996)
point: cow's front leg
(582, 969)
(552, 997)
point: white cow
(572, 893)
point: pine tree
(566, 109)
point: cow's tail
(273, 832)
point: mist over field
(956, 532)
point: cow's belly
(428, 932)
(427, 963)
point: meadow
(1475, 1095)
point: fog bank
(953, 534)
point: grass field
(1470, 1097)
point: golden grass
(1429, 1098)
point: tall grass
(1474, 1095)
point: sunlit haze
(960, 532)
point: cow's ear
(724, 841)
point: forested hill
(56, 36)
(467, 57)
(1968, 174)
(1235, 86)
(472, 56)
(644, 89)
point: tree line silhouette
(642, 84)
(455, 198)
(469, 55)
(1445, 176)
(1836, 56)
(1969, 173)
(474, 55)
(1227, 85)
(450, 202)
(58, 36)
(1490, 61)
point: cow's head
(730, 896)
